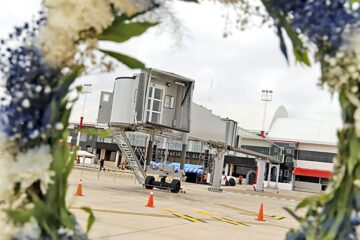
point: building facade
(307, 146)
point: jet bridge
(152, 101)
(159, 102)
(224, 136)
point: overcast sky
(240, 66)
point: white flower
(355, 75)
(65, 231)
(3, 141)
(30, 230)
(67, 19)
(351, 69)
(59, 126)
(33, 165)
(25, 103)
(354, 89)
(8, 229)
(131, 7)
(8, 171)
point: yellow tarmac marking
(127, 213)
(186, 217)
(226, 220)
(250, 213)
(205, 213)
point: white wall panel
(318, 148)
(314, 165)
(205, 125)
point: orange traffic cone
(260, 216)
(150, 202)
(79, 189)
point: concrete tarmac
(119, 203)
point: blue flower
(30, 85)
(323, 22)
(29, 81)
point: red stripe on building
(312, 172)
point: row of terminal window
(297, 154)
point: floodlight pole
(266, 96)
(86, 90)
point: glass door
(154, 104)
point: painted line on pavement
(226, 220)
(251, 213)
(266, 196)
(183, 216)
(127, 213)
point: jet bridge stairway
(148, 181)
(132, 161)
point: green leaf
(299, 219)
(67, 220)
(306, 202)
(122, 30)
(91, 218)
(126, 60)
(283, 46)
(20, 216)
(67, 80)
(70, 165)
(298, 46)
(354, 154)
(44, 216)
(96, 132)
(299, 50)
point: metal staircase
(132, 161)
(140, 154)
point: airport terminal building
(309, 146)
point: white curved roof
(304, 131)
(250, 116)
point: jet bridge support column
(117, 158)
(218, 171)
(269, 174)
(260, 175)
(183, 151)
(149, 151)
(277, 176)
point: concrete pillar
(269, 174)
(277, 175)
(227, 169)
(123, 159)
(217, 172)
(166, 154)
(260, 176)
(94, 152)
(231, 170)
(102, 153)
(117, 158)
(149, 151)
(183, 150)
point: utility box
(153, 97)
